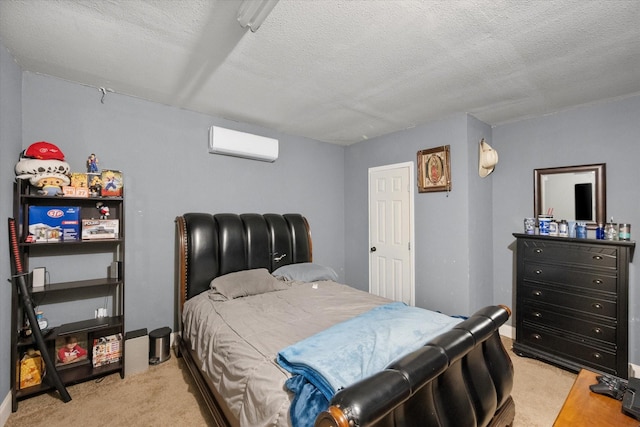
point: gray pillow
(306, 272)
(247, 282)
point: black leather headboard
(209, 245)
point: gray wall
(10, 143)
(167, 169)
(464, 242)
(603, 133)
(480, 230)
(452, 230)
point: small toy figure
(92, 163)
(104, 210)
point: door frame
(412, 252)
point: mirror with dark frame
(573, 193)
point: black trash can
(159, 345)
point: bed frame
(463, 377)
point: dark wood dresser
(572, 302)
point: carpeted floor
(539, 390)
(166, 396)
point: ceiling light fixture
(252, 13)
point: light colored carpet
(539, 390)
(165, 395)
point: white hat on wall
(487, 159)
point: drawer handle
(597, 331)
(537, 250)
(597, 356)
(597, 306)
(536, 293)
(538, 271)
(597, 257)
(536, 337)
(537, 314)
(598, 281)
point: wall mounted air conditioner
(240, 144)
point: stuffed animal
(49, 184)
(44, 166)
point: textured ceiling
(337, 70)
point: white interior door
(391, 255)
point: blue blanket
(352, 350)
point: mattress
(237, 340)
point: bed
(233, 335)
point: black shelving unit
(109, 286)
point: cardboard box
(112, 184)
(94, 229)
(79, 180)
(53, 223)
(94, 181)
(68, 191)
(82, 192)
(79, 186)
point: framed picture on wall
(434, 169)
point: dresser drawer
(603, 280)
(553, 319)
(581, 352)
(593, 256)
(590, 305)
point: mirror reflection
(569, 196)
(574, 193)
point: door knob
(373, 249)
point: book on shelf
(107, 349)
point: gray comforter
(238, 340)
